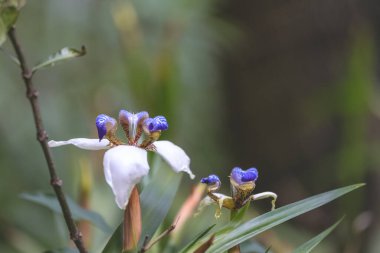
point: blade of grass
(115, 242)
(156, 200)
(193, 242)
(268, 220)
(78, 213)
(312, 243)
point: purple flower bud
(212, 179)
(250, 175)
(240, 176)
(158, 123)
(104, 123)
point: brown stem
(42, 137)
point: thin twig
(146, 241)
(149, 244)
(42, 137)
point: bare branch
(42, 137)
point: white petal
(90, 144)
(265, 195)
(124, 166)
(174, 156)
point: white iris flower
(126, 163)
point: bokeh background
(290, 87)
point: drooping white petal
(84, 143)
(174, 156)
(264, 195)
(124, 166)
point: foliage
(9, 10)
(312, 243)
(167, 53)
(50, 201)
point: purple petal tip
(212, 179)
(101, 124)
(241, 176)
(158, 123)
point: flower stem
(234, 249)
(42, 137)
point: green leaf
(157, 198)
(312, 243)
(63, 54)
(9, 11)
(12, 3)
(78, 213)
(238, 234)
(114, 244)
(238, 215)
(64, 250)
(3, 32)
(253, 246)
(9, 16)
(196, 239)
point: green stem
(236, 248)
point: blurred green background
(290, 87)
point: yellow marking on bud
(152, 137)
(111, 134)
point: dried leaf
(132, 222)
(206, 245)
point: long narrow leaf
(51, 202)
(312, 243)
(114, 244)
(268, 220)
(193, 242)
(65, 250)
(253, 246)
(239, 214)
(156, 200)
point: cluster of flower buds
(242, 182)
(140, 130)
